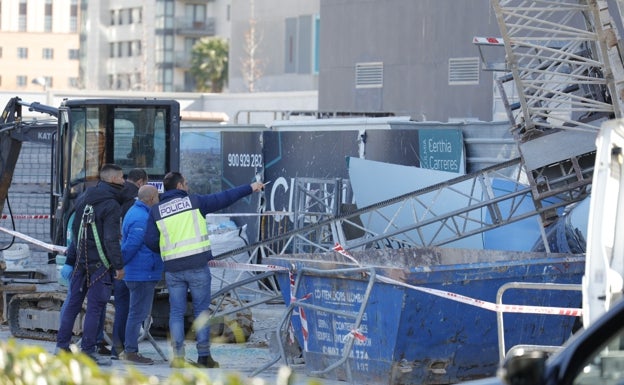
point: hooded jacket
(141, 263)
(128, 196)
(206, 204)
(105, 199)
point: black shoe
(136, 358)
(102, 349)
(207, 362)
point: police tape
(502, 308)
(47, 246)
(26, 216)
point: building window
(73, 54)
(136, 49)
(21, 81)
(0, 52)
(22, 52)
(23, 11)
(111, 50)
(47, 53)
(73, 16)
(316, 45)
(290, 64)
(48, 81)
(112, 17)
(137, 82)
(135, 16)
(120, 17)
(369, 75)
(72, 82)
(47, 21)
(195, 15)
(301, 44)
(463, 71)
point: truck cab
(141, 133)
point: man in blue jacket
(143, 268)
(95, 255)
(177, 228)
(137, 177)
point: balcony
(182, 59)
(196, 28)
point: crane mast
(565, 58)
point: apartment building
(145, 45)
(39, 45)
(138, 45)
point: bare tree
(251, 65)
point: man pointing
(177, 229)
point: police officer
(95, 255)
(177, 229)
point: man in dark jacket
(136, 178)
(177, 229)
(95, 254)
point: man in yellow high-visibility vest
(177, 228)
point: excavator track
(37, 316)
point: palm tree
(209, 64)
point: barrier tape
(574, 312)
(26, 216)
(354, 333)
(503, 308)
(302, 313)
(47, 246)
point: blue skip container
(353, 326)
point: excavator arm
(14, 131)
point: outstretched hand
(257, 186)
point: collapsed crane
(565, 61)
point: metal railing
(295, 303)
(499, 315)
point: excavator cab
(138, 133)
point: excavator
(83, 135)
